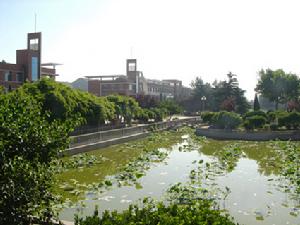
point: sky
(171, 39)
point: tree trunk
(276, 105)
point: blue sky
(178, 39)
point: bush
(64, 103)
(226, 120)
(159, 114)
(207, 116)
(170, 106)
(271, 116)
(255, 113)
(289, 120)
(29, 143)
(254, 122)
(199, 212)
(274, 127)
(144, 115)
(124, 107)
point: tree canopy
(221, 95)
(256, 105)
(66, 103)
(29, 143)
(278, 86)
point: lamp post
(203, 99)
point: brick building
(28, 65)
(134, 83)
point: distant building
(81, 84)
(28, 65)
(134, 83)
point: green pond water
(257, 193)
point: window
(131, 67)
(20, 77)
(130, 87)
(34, 44)
(34, 68)
(8, 76)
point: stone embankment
(88, 142)
(248, 135)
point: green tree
(220, 95)
(229, 89)
(65, 103)
(29, 143)
(256, 106)
(201, 89)
(170, 106)
(124, 107)
(278, 86)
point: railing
(92, 129)
(123, 132)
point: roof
(105, 76)
(51, 64)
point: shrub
(226, 120)
(271, 116)
(170, 106)
(64, 103)
(273, 126)
(199, 212)
(29, 143)
(159, 114)
(254, 122)
(294, 119)
(254, 113)
(124, 107)
(289, 120)
(207, 116)
(144, 115)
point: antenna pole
(131, 52)
(35, 23)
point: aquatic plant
(228, 156)
(198, 212)
(79, 161)
(121, 164)
(290, 168)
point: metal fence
(99, 136)
(86, 129)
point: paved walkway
(67, 222)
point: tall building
(28, 65)
(134, 83)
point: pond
(247, 172)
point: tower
(131, 69)
(132, 74)
(34, 48)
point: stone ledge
(102, 144)
(248, 135)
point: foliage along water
(256, 182)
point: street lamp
(203, 99)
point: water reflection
(251, 177)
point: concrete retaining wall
(92, 141)
(105, 135)
(102, 144)
(247, 135)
